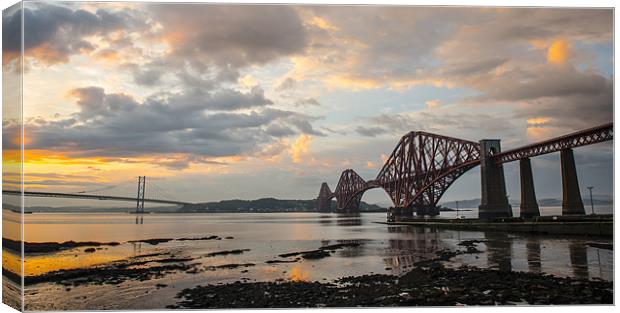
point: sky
(217, 102)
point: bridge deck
(86, 196)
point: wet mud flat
(50, 247)
(428, 284)
(141, 267)
(157, 265)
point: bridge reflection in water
(500, 251)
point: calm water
(384, 249)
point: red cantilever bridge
(423, 166)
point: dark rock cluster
(433, 285)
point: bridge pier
(529, 206)
(324, 204)
(494, 202)
(353, 206)
(324, 200)
(398, 212)
(571, 196)
(429, 210)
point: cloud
(300, 148)
(148, 76)
(433, 103)
(370, 131)
(287, 83)
(228, 99)
(116, 125)
(569, 98)
(307, 101)
(52, 33)
(505, 57)
(558, 52)
(94, 103)
(231, 36)
(445, 120)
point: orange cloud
(540, 133)
(300, 148)
(108, 55)
(558, 52)
(321, 23)
(354, 83)
(370, 165)
(538, 128)
(537, 121)
(433, 103)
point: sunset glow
(187, 94)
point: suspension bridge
(140, 199)
(424, 165)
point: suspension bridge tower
(140, 197)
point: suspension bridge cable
(104, 188)
(162, 191)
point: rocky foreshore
(428, 283)
(431, 285)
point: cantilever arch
(529, 206)
(571, 196)
(494, 202)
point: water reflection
(137, 248)
(299, 273)
(349, 219)
(533, 254)
(395, 248)
(325, 220)
(352, 252)
(412, 244)
(139, 219)
(499, 251)
(579, 259)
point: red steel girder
(349, 190)
(423, 166)
(577, 139)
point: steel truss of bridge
(423, 166)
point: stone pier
(426, 210)
(494, 202)
(529, 205)
(571, 196)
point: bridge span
(140, 198)
(86, 196)
(424, 165)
